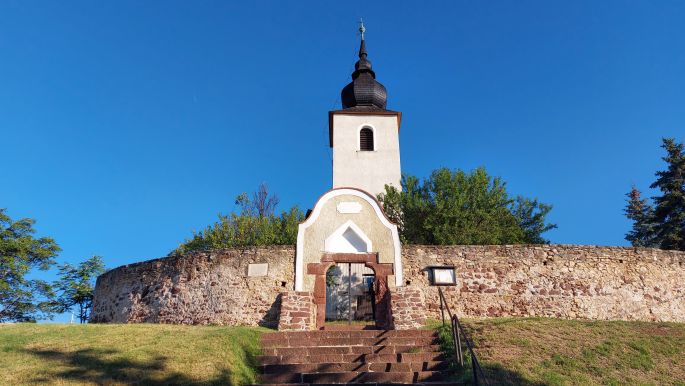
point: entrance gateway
(349, 293)
(348, 255)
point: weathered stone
(605, 283)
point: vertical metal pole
(442, 306)
(474, 370)
(458, 333)
(349, 294)
(455, 339)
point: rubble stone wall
(563, 281)
(560, 281)
(197, 288)
(408, 308)
(298, 312)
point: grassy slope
(513, 351)
(535, 351)
(127, 354)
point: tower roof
(364, 93)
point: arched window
(366, 139)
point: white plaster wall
(325, 220)
(366, 170)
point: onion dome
(364, 92)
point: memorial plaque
(254, 270)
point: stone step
(380, 341)
(299, 335)
(427, 383)
(346, 327)
(351, 358)
(359, 366)
(325, 350)
(355, 376)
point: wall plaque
(349, 207)
(260, 269)
(443, 276)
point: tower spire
(364, 92)
(362, 46)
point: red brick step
(368, 357)
(359, 366)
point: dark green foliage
(22, 299)
(662, 224)
(530, 215)
(76, 285)
(255, 225)
(641, 212)
(669, 208)
(454, 207)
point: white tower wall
(366, 170)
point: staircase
(353, 357)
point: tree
(669, 208)
(454, 207)
(661, 224)
(22, 299)
(641, 212)
(256, 224)
(76, 285)
(530, 215)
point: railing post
(457, 340)
(474, 370)
(442, 307)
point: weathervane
(361, 27)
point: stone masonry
(559, 281)
(198, 288)
(298, 311)
(563, 281)
(408, 308)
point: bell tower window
(366, 139)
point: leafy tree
(76, 285)
(454, 207)
(641, 212)
(669, 208)
(256, 224)
(22, 299)
(530, 215)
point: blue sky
(124, 126)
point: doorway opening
(350, 294)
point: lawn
(536, 351)
(116, 354)
(525, 351)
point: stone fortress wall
(245, 287)
(198, 288)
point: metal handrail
(457, 332)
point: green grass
(525, 351)
(537, 351)
(115, 354)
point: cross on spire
(361, 28)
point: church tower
(364, 135)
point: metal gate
(349, 292)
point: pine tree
(641, 212)
(669, 210)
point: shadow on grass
(93, 366)
(495, 373)
(498, 375)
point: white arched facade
(347, 238)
